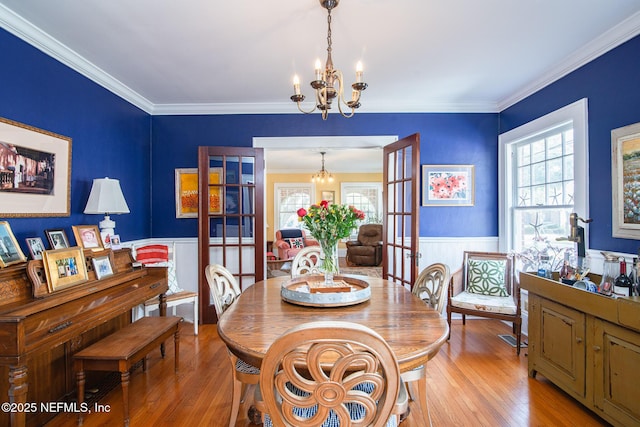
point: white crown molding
(290, 108)
(614, 37)
(26, 31)
(31, 34)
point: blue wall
(113, 138)
(612, 85)
(110, 136)
(445, 139)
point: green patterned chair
(486, 286)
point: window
(543, 170)
(366, 196)
(288, 199)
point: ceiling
(237, 57)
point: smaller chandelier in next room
(322, 174)
(328, 83)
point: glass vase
(329, 264)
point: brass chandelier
(328, 84)
(322, 173)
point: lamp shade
(106, 198)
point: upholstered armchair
(486, 286)
(367, 250)
(290, 241)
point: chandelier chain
(329, 33)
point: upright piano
(41, 330)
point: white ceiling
(239, 56)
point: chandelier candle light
(328, 223)
(329, 84)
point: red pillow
(151, 254)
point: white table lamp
(106, 198)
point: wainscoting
(447, 250)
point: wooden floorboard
(475, 380)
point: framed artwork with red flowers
(447, 185)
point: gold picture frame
(187, 192)
(64, 268)
(10, 252)
(88, 237)
(35, 172)
(328, 195)
(625, 181)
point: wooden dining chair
(224, 290)
(330, 373)
(307, 261)
(429, 287)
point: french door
(230, 217)
(401, 176)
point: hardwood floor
(475, 380)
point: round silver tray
(297, 291)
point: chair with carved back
(486, 286)
(330, 373)
(224, 291)
(429, 287)
(306, 261)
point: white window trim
(578, 114)
(377, 185)
(276, 191)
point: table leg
(80, 380)
(176, 339)
(124, 381)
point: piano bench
(174, 300)
(122, 349)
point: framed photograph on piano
(10, 252)
(64, 268)
(102, 267)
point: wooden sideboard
(588, 345)
(40, 331)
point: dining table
(414, 331)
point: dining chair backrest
(336, 371)
(430, 285)
(223, 287)
(307, 261)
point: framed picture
(36, 247)
(64, 267)
(447, 185)
(35, 171)
(10, 252)
(625, 181)
(187, 192)
(329, 196)
(57, 238)
(88, 236)
(102, 267)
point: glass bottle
(623, 285)
(544, 267)
(610, 271)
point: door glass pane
(233, 172)
(391, 170)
